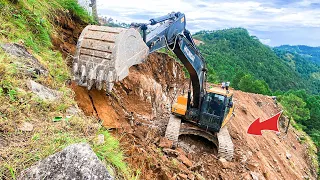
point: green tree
(212, 76)
(315, 134)
(261, 87)
(236, 79)
(246, 83)
(249, 84)
(295, 107)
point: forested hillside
(236, 56)
(233, 55)
(307, 52)
(309, 70)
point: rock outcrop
(76, 161)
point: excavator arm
(195, 65)
(104, 54)
(173, 35)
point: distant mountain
(233, 53)
(299, 63)
(307, 52)
(306, 65)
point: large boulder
(28, 63)
(76, 161)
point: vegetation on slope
(234, 55)
(307, 52)
(304, 108)
(308, 70)
(31, 23)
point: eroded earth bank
(148, 92)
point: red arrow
(271, 124)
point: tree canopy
(233, 54)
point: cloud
(255, 15)
(265, 41)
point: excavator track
(226, 147)
(173, 129)
(188, 128)
(221, 139)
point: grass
(312, 151)
(31, 23)
(27, 148)
(311, 147)
(76, 10)
(111, 152)
(19, 105)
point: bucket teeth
(75, 68)
(109, 87)
(105, 54)
(92, 74)
(91, 78)
(99, 80)
(109, 81)
(99, 85)
(90, 83)
(83, 74)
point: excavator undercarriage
(105, 54)
(222, 140)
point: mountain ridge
(308, 52)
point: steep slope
(149, 90)
(280, 156)
(37, 39)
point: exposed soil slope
(273, 156)
(148, 92)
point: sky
(274, 22)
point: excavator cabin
(216, 109)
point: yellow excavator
(105, 54)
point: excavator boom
(105, 54)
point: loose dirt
(148, 92)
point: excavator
(105, 54)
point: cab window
(213, 104)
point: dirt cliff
(148, 92)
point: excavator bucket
(105, 54)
